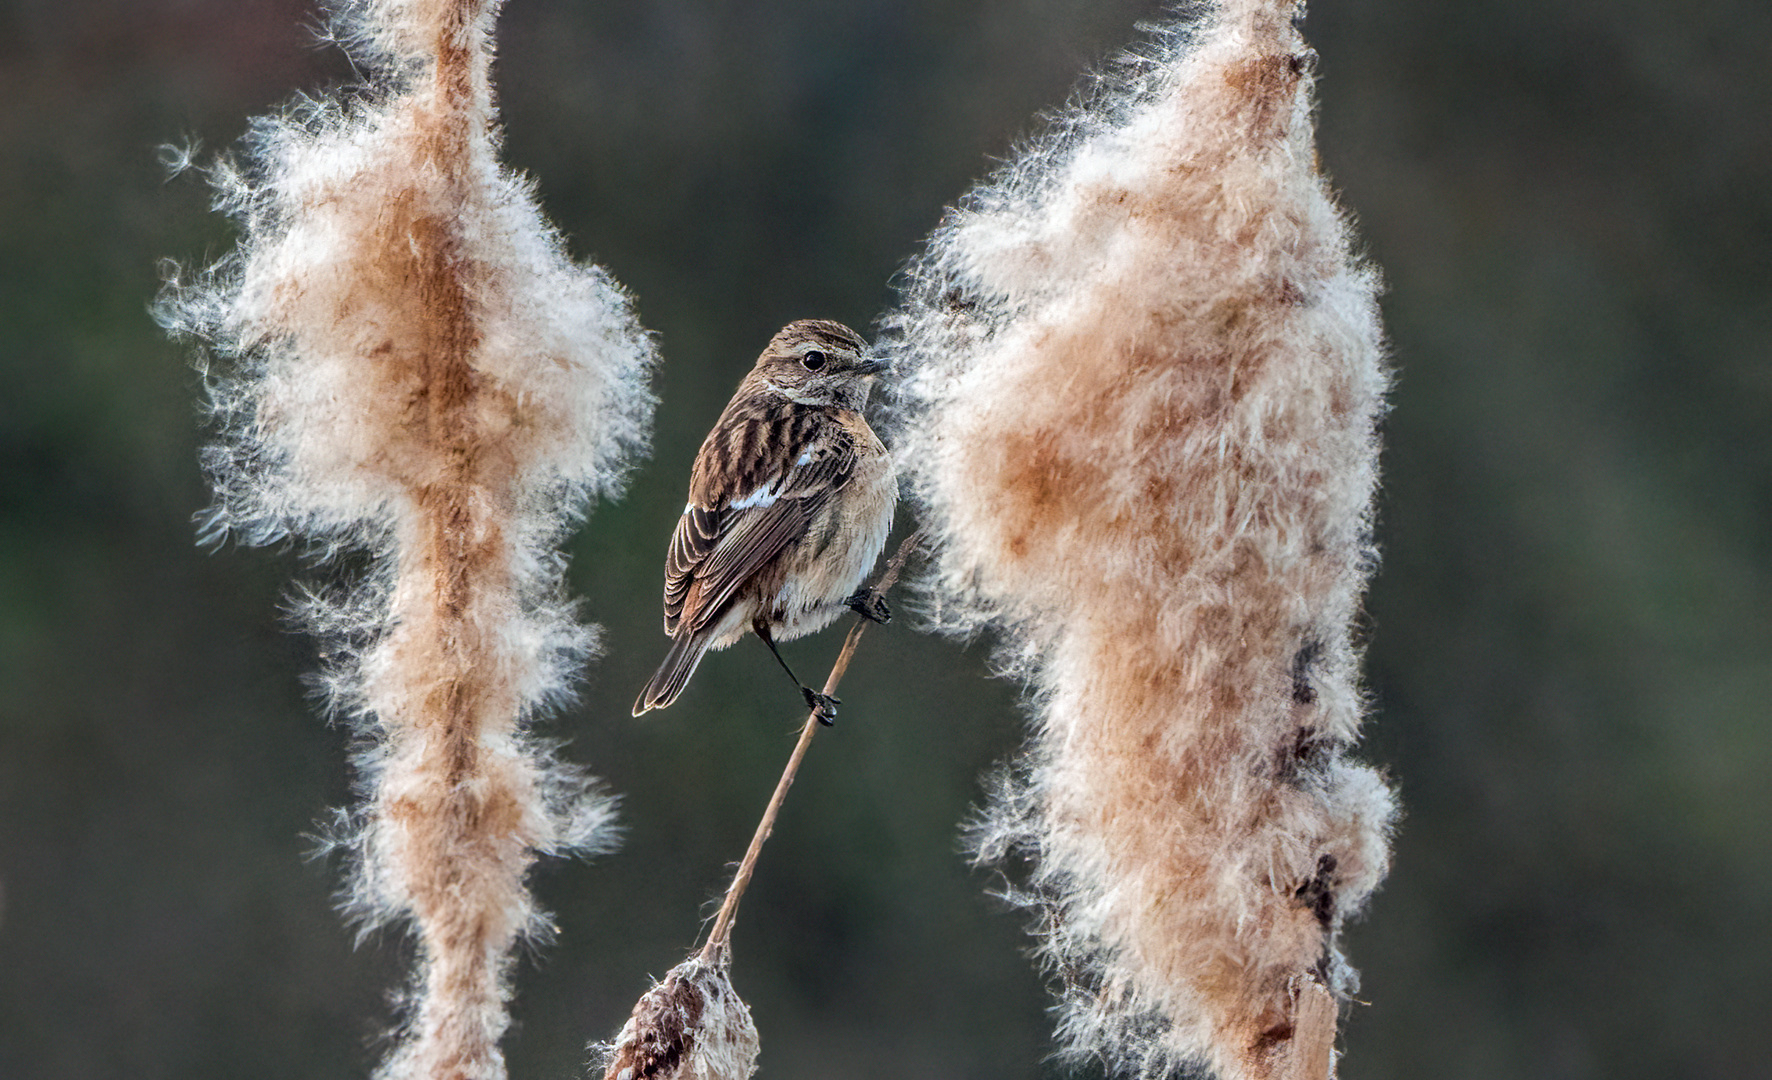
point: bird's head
(818, 362)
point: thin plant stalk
(691, 1024)
(719, 938)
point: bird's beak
(872, 365)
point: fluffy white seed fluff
(404, 361)
(1141, 371)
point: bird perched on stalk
(790, 501)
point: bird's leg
(870, 605)
(822, 705)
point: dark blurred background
(1570, 646)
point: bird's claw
(870, 605)
(823, 706)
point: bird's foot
(870, 605)
(823, 706)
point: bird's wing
(758, 483)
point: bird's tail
(679, 664)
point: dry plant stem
(1313, 1045)
(715, 949)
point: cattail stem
(720, 938)
(1313, 1041)
(692, 1025)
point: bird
(790, 500)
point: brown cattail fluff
(409, 364)
(691, 1026)
(1141, 374)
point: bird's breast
(842, 544)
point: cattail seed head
(1142, 371)
(691, 1026)
(401, 359)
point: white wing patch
(760, 497)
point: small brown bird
(790, 501)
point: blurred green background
(1570, 645)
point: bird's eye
(813, 360)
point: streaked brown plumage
(790, 501)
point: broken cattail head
(692, 1025)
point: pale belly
(832, 562)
